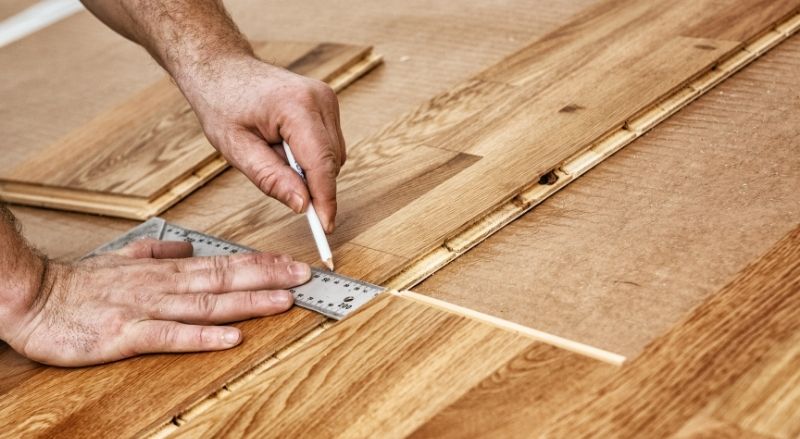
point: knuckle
(200, 336)
(252, 299)
(206, 305)
(166, 337)
(219, 279)
(327, 163)
(267, 180)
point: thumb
(268, 171)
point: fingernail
(280, 297)
(296, 202)
(231, 336)
(299, 269)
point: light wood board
(383, 373)
(620, 255)
(141, 157)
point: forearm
(187, 37)
(21, 273)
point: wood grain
(625, 251)
(767, 398)
(700, 357)
(702, 427)
(379, 373)
(524, 393)
(129, 397)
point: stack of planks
(554, 109)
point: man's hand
(147, 297)
(243, 103)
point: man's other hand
(246, 105)
(150, 296)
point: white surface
(36, 17)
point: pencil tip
(328, 263)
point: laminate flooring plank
(617, 257)
(527, 391)
(130, 397)
(700, 357)
(379, 373)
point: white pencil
(313, 220)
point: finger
(152, 336)
(207, 308)
(267, 170)
(248, 277)
(224, 262)
(313, 151)
(153, 248)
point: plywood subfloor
(621, 254)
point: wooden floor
(402, 367)
(623, 253)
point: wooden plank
(767, 398)
(150, 151)
(527, 391)
(622, 253)
(380, 373)
(128, 397)
(700, 357)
